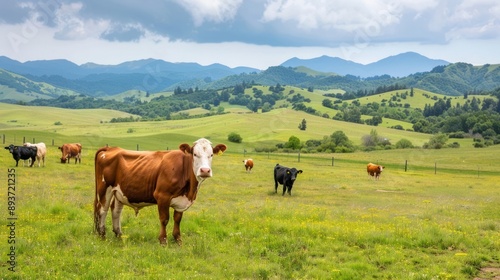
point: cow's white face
(202, 159)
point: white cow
(41, 151)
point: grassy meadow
(439, 219)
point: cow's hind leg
(101, 210)
(116, 213)
(177, 227)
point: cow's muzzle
(204, 172)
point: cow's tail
(98, 176)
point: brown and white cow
(144, 178)
(71, 150)
(248, 164)
(41, 151)
(374, 170)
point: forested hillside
(471, 116)
(327, 95)
(454, 79)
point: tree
(293, 143)
(327, 103)
(266, 107)
(437, 141)
(338, 142)
(404, 144)
(375, 120)
(371, 140)
(303, 125)
(234, 137)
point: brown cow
(71, 150)
(248, 164)
(144, 178)
(374, 170)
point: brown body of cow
(71, 150)
(248, 164)
(374, 170)
(144, 178)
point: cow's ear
(219, 149)
(287, 171)
(185, 148)
(300, 171)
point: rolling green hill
(256, 129)
(15, 88)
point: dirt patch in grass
(488, 273)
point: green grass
(338, 224)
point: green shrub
(234, 137)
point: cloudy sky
(255, 33)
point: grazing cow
(71, 150)
(22, 152)
(143, 178)
(285, 176)
(41, 151)
(248, 164)
(374, 170)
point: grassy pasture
(338, 224)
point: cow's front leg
(177, 227)
(284, 189)
(164, 213)
(116, 213)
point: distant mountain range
(152, 67)
(400, 65)
(397, 66)
(152, 75)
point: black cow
(22, 152)
(285, 176)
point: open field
(440, 219)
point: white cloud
(71, 26)
(345, 15)
(214, 10)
